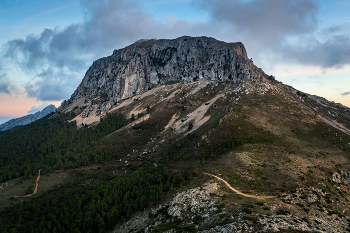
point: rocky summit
(147, 63)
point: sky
(47, 46)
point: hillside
(206, 155)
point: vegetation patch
(53, 143)
(92, 211)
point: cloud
(263, 22)
(4, 83)
(332, 29)
(334, 52)
(345, 93)
(107, 25)
(286, 29)
(337, 28)
(35, 109)
(52, 85)
(57, 58)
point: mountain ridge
(28, 118)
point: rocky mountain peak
(147, 63)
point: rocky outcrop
(147, 63)
(27, 119)
(341, 177)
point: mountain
(148, 63)
(183, 135)
(25, 120)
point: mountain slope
(261, 137)
(25, 120)
(283, 155)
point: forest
(53, 143)
(95, 210)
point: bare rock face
(147, 63)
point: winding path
(35, 190)
(237, 191)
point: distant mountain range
(25, 120)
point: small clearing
(35, 189)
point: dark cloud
(4, 83)
(264, 22)
(345, 93)
(107, 25)
(4, 88)
(334, 52)
(53, 85)
(283, 28)
(332, 29)
(337, 28)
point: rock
(345, 176)
(147, 63)
(336, 177)
(341, 177)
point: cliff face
(27, 119)
(146, 63)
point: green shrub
(190, 126)
(247, 211)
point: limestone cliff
(147, 63)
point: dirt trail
(36, 185)
(239, 192)
(35, 190)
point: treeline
(97, 210)
(53, 143)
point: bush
(190, 126)
(247, 211)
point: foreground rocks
(206, 209)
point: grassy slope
(266, 144)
